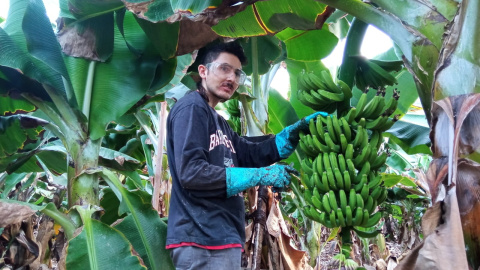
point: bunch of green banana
(319, 91)
(375, 73)
(342, 186)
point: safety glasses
(224, 70)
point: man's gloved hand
(239, 179)
(288, 138)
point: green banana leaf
(263, 51)
(27, 43)
(11, 106)
(149, 236)
(309, 45)
(99, 246)
(85, 9)
(110, 203)
(411, 134)
(130, 78)
(270, 17)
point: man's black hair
(211, 52)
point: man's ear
(202, 71)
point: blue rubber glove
(288, 138)
(239, 179)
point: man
(211, 165)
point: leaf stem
(87, 98)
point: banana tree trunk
(83, 188)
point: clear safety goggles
(224, 70)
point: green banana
(347, 182)
(364, 192)
(363, 234)
(343, 200)
(328, 80)
(306, 181)
(389, 66)
(333, 219)
(385, 77)
(331, 130)
(320, 99)
(316, 202)
(343, 142)
(369, 204)
(313, 214)
(391, 104)
(362, 158)
(333, 147)
(332, 96)
(358, 137)
(333, 160)
(332, 199)
(360, 202)
(319, 165)
(331, 179)
(312, 127)
(378, 123)
(308, 83)
(358, 187)
(347, 131)
(383, 196)
(376, 192)
(341, 218)
(365, 170)
(358, 216)
(352, 199)
(342, 165)
(379, 161)
(307, 169)
(373, 183)
(317, 81)
(320, 129)
(349, 151)
(351, 170)
(348, 215)
(319, 146)
(336, 126)
(352, 113)
(325, 182)
(339, 177)
(371, 107)
(318, 183)
(366, 216)
(306, 149)
(326, 203)
(373, 220)
(346, 90)
(362, 101)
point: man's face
(220, 78)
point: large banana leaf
(27, 43)
(270, 17)
(309, 45)
(149, 236)
(262, 52)
(129, 77)
(99, 246)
